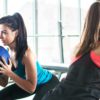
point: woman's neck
(12, 45)
(13, 58)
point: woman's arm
(30, 83)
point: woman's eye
(3, 32)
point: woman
(23, 68)
(83, 78)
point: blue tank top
(43, 75)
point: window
(26, 8)
(54, 26)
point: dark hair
(91, 31)
(15, 22)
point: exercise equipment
(4, 53)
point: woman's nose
(0, 35)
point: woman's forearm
(22, 83)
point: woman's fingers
(1, 68)
(2, 64)
(9, 62)
(4, 61)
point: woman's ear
(15, 32)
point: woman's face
(7, 36)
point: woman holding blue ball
(23, 67)
(3, 55)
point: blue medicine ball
(4, 53)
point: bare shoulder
(28, 55)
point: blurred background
(53, 26)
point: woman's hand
(5, 68)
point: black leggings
(14, 92)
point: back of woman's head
(15, 22)
(91, 31)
